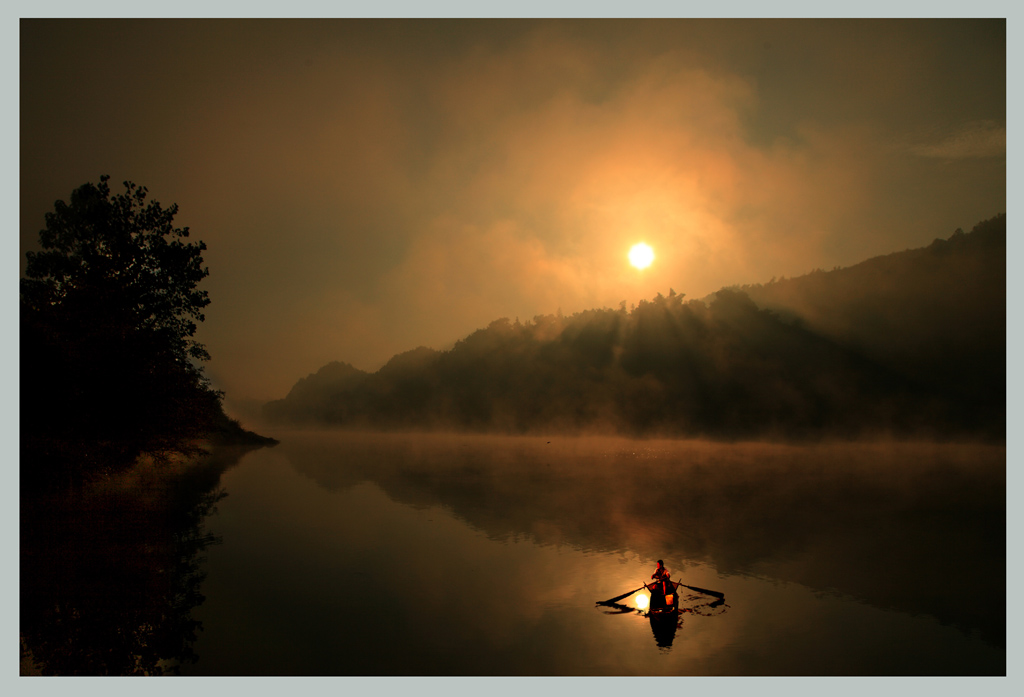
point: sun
(641, 255)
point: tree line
(936, 315)
(724, 367)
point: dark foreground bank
(111, 572)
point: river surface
(369, 555)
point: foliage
(121, 261)
(108, 317)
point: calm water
(428, 555)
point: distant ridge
(911, 344)
(936, 315)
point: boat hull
(664, 623)
(664, 597)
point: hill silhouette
(910, 344)
(936, 315)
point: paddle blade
(705, 591)
(619, 597)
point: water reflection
(880, 523)
(110, 577)
(665, 622)
(664, 628)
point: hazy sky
(366, 187)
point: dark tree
(108, 316)
(121, 260)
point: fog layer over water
(483, 555)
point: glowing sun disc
(642, 601)
(641, 255)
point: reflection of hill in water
(917, 528)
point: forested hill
(936, 315)
(911, 344)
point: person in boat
(661, 587)
(660, 574)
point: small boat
(662, 608)
(664, 599)
(663, 612)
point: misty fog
(908, 345)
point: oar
(619, 597)
(705, 591)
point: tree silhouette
(122, 261)
(108, 314)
